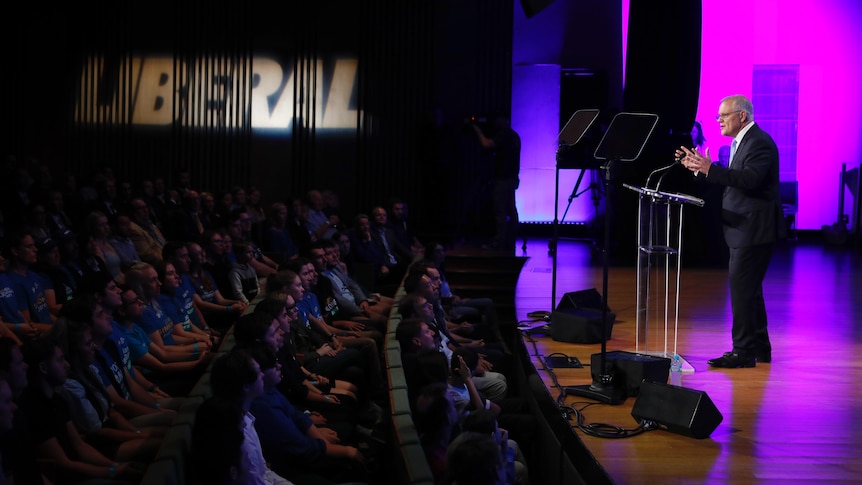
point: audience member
(185, 223)
(401, 228)
(144, 280)
(27, 285)
(218, 260)
(58, 281)
(317, 354)
(57, 217)
(514, 462)
(396, 255)
(101, 425)
(218, 311)
(254, 207)
(366, 250)
(318, 223)
(277, 238)
(293, 445)
(178, 306)
(301, 236)
(237, 378)
(146, 236)
(436, 421)
(99, 231)
(209, 216)
(244, 283)
(218, 449)
(55, 439)
(121, 241)
(311, 313)
(299, 384)
(185, 294)
(138, 399)
(240, 229)
(19, 461)
(165, 363)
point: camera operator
(506, 149)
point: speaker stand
(603, 389)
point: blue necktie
(732, 152)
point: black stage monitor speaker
(578, 318)
(532, 7)
(631, 368)
(684, 411)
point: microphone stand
(626, 140)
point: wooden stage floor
(796, 420)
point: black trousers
(748, 267)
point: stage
(791, 421)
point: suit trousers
(748, 267)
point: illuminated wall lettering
(157, 91)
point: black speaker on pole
(680, 410)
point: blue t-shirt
(309, 305)
(138, 341)
(172, 306)
(119, 338)
(185, 295)
(109, 367)
(155, 320)
(10, 302)
(30, 289)
(282, 429)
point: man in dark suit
(753, 222)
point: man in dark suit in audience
(753, 221)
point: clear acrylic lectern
(660, 223)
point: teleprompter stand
(623, 142)
(569, 136)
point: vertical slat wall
(212, 134)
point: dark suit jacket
(751, 205)
(402, 254)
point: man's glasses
(722, 116)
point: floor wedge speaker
(631, 368)
(581, 299)
(580, 325)
(681, 410)
(578, 318)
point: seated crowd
(115, 301)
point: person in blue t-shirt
(177, 254)
(28, 287)
(144, 279)
(10, 316)
(146, 354)
(177, 307)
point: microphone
(662, 169)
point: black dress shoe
(732, 360)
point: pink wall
(823, 37)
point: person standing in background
(506, 147)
